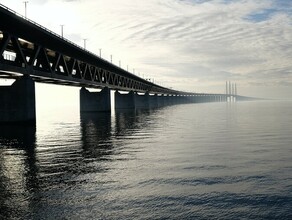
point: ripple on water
(202, 161)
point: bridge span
(31, 53)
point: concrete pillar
(198, 98)
(160, 100)
(166, 100)
(169, 99)
(205, 98)
(175, 99)
(178, 99)
(17, 102)
(142, 101)
(125, 101)
(153, 101)
(95, 101)
(183, 99)
(192, 99)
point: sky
(189, 45)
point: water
(195, 161)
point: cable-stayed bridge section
(31, 53)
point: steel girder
(44, 64)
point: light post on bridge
(62, 30)
(25, 8)
(100, 52)
(84, 41)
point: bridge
(31, 53)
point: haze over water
(195, 161)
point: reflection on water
(19, 136)
(183, 162)
(96, 130)
(18, 173)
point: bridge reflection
(18, 169)
(96, 132)
(36, 172)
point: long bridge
(31, 53)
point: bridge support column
(18, 101)
(125, 101)
(198, 99)
(166, 99)
(142, 101)
(160, 101)
(153, 101)
(95, 101)
(174, 99)
(182, 99)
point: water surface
(195, 161)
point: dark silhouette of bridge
(31, 53)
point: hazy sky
(191, 45)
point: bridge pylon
(95, 101)
(18, 101)
(231, 92)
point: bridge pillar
(192, 99)
(153, 101)
(95, 101)
(186, 99)
(18, 101)
(160, 101)
(165, 100)
(174, 99)
(142, 101)
(125, 101)
(169, 99)
(200, 98)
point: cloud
(205, 42)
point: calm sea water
(196, 161)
